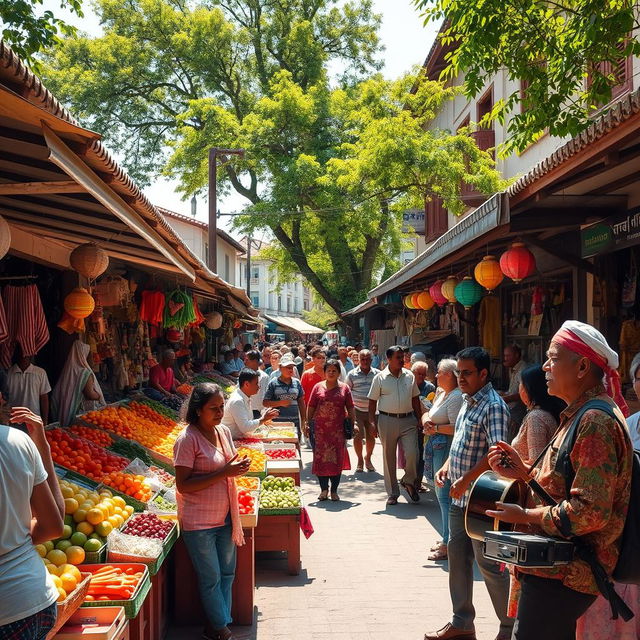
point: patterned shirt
(482, 421)
(601, 459)
(277, 389)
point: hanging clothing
(491, 326)
(26, 322)
(152, 307)
(67, 398)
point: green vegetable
(131, 450)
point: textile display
(152, 307)
(178, 310)
(491, 326)
(25, 321)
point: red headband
(569, 340)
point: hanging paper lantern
(414, 300)
(89, 260)
(468, 292)
(488, 273)
(425, 301)
(407, 302)
(213, 320)
(435, 290)
(449, 288)
(79, 304)
(5, 237)
(518, 262)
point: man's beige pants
(391, 431)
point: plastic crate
(152, 564)
(95, 557)
(104, 623)
(132, 605)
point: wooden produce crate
(106, 623)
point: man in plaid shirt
(482, 422)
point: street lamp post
(214, 152)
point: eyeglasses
(464, 373)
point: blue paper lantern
(468, 292)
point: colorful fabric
(583, 339)
(34, 627)
(330, 454)
(152, 307)
(163, 377)
(535, 432)
(601, 459)
(482, 422)
(25, 322)
(309, 380)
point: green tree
(320, 316)
(330, 165)
(567, 53)
(28, 31)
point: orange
(85, 527)
(67, 492)
(56, 581)
(68, 581)
(70, 505)
(73, 570)
(75, 555)
(80, 515)
(62, 595)
(94, 516)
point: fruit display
(148, 525)
(246, 502)
(138, 422)
(227, 387)
(251, 443)
(158, 407)
(279, 493)
(162, 504)
(184, 389)
(90, 516)
(258, 459)
(164, 476)
(136, 486)
(125, 547)
(271, 483)
(281, 454)
(247, 482)
(66, 578)
(96, 436)
(131, 450)
(82, 456)
(113, 583)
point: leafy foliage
(27, 31)
(567, 53)
(320, 316)
(329, 165)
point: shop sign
(618, 232)
(413, 221)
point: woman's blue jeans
(440, 455)
(213, 554)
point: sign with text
(614, 233)
(413, 221)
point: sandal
(369, 466)
(335, 497)
(324, 495)
(438, 554)
(392, 500)
(411, 490)
(437, 545)
(359, 469)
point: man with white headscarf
(592, 496)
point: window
(436, 219)
(255, 273)
(288, 304)
(279, 303)
(206, 253)
(226, 268)
(255, 299)
(306, 305)
(485, 104)
(620, 69)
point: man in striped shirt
(482, 422)
(359, 381)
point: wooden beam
(580, 263)
(614, 185)
(27, 188)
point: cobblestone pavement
(365, 573)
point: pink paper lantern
(435, 291)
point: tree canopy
(332, 159)
(28, 31)
(569, 54)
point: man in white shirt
(237, 411)
(395, 395)
(28, 386)
(252, 361)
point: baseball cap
(286, 360)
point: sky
(406, 40)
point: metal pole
(249, 241)
(213, 212)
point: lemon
(68, 582)
(70, 505)
(57, 557)
(84, 527)
(56, 581)
(42, 550)
(62, 595)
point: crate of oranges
(258, 459)
(135, 489)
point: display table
(187, 606)
(280, 533)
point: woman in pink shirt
(206, 465)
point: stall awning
(358, 309)
(294, 324)
(491, 215)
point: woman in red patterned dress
(329, 404)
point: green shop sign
(618, 232)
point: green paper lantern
(468, 292)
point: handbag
(347, 426)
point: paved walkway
(365, 573)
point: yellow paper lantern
(425, 301)
(488, 273)
(407, 302)
(79, 304)
(448, 288)
(89, 260)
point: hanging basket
(89, 260)
(5, 237)
(213, 320)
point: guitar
(491, 488)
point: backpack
(627, 569)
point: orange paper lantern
(448, 288)
(79, 304)
(518, 262)
(425, 300)
(414, 301)
(488, 273)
